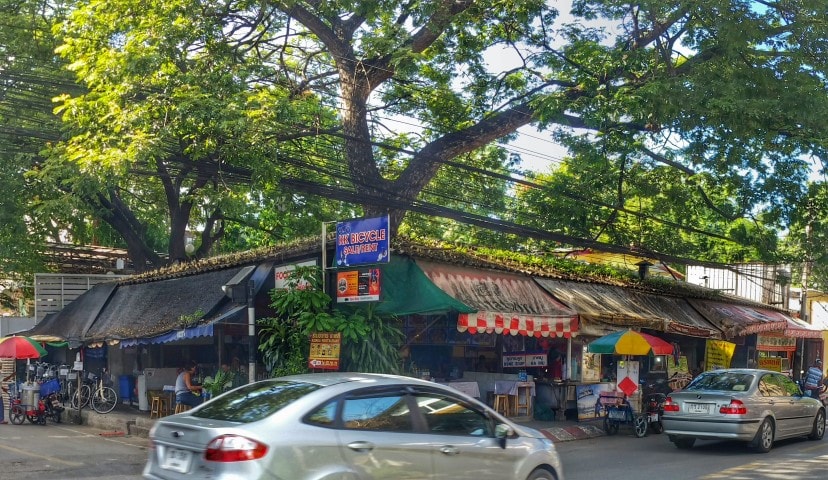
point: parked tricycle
(28, 405)
(622, 413)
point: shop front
(604, 309)
(764, 337)
(514, 336)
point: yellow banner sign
(324, 350)
(770, 363)
(719, 354)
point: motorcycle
(50, 396)
(654, 410)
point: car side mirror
(502, 432)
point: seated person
(185, 391)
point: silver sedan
(347, 426)
(756, 406)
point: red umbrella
(20, 347)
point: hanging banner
(775, 343)
(361, 285)
(674, 368)
(514, 360)
(362, 242)
(590, 367)
(524, 359)
(324, 350)
(718, 354)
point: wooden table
(471, 389)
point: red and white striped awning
(506, 303)
(514, 324)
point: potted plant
(218, 384)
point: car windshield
(254, 402)
(722, 381)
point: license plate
(653, 417)
(698, 408)
(177, 460)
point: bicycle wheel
(17, 415)
(104, 399)
(84, 394)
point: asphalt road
(69, 451)
(624, 457)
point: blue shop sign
(362, 242)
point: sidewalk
(128, 420)
(567, 430)
(124, 420)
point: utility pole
(806, 271)
(251, 331)
(806, 266)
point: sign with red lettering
(282, 275)
(324, 350)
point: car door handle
(449, 450)
(361, 446)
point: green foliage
(219, 383)
(180, 115)
(191, 318)
(369, 341)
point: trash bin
(125, 383)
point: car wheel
(541, 474)
(764, 437)
(684, 443)
(819, 426)
(640, 426)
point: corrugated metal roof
(629, 308)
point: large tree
(176, 125)
(182, 96)
(30, 75)
(730, 94)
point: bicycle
(103, 398)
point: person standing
(185, 391)
(813, 379)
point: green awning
(406, 290)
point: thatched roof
(71, 322)
(151, 308)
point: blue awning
(203, 330)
